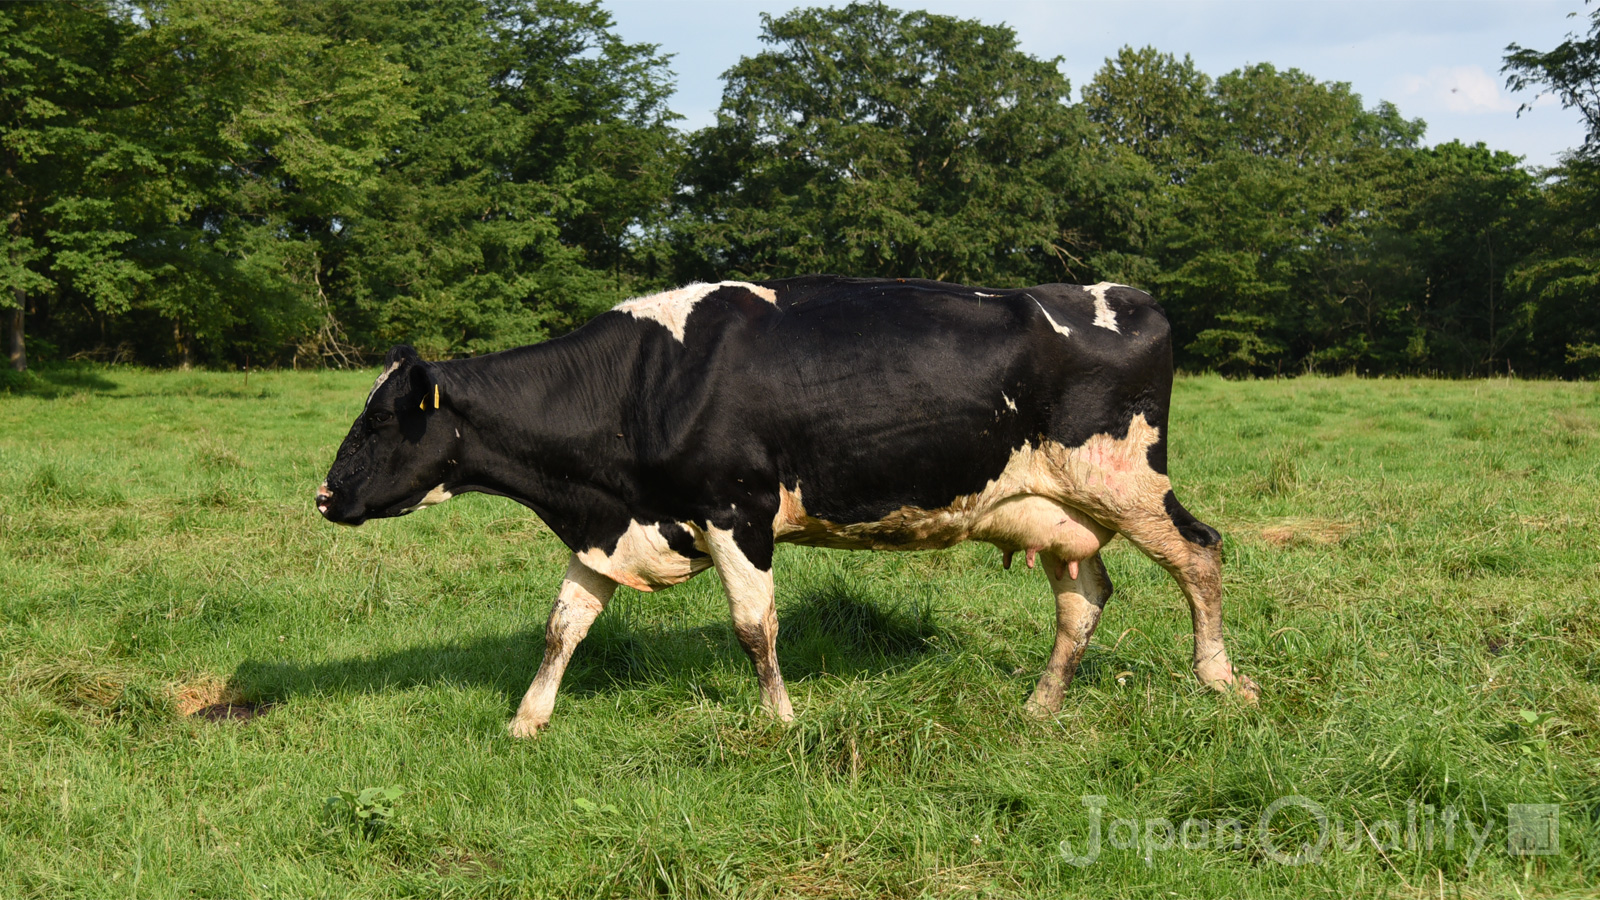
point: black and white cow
(698, 427)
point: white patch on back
(644, 561)
(1063, 330)
(672, 308)
(433, 498)
(382, 377)
(986, 296)
(1103, 316)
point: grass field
(1412, 577)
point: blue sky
(1436, 60)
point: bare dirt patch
(1301, 532)
(216, 700)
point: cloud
(1459, 89)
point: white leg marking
(1103, 316)
(755, 617)
(584, 593)
(672, 308)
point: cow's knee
(584, 595)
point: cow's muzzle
(331, 511)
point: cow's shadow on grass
(829, 630)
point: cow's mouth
(325, 504)
(349, 523)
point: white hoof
(525, 728)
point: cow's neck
(541, 425)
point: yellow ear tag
(436, 396)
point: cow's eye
(380, 416)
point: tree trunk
(16, 351)
(182, 345)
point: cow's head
(401, 451)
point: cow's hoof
(523, 728)
(1245, 689)
(1236, 685)
(780, 709)
(1038, 709)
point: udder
(1035, 524)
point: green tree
(1155, 106)
(1571, 71)
(57, 152)
(259, 136)
(1265, 185)
(531, 187)
(1559, 282)
(1467, 215)
(216, 181)
(869, 141)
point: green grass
(1411, 567)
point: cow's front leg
(1079, 602)
(584, 594)
(744, 563)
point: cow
(699, 427)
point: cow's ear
(401, 353)
(425, 387)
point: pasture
(194, 663)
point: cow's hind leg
(1191, 551)
(584, 594)
(744, 563)
(1079, 602)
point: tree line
(283, 183)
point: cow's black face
(400, 452)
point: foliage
(370, 809)
(870, 141)
(1264, 180)
(1559, 280)
(278, 180)
(294, 183)
(521, 198)
(1571, 70)
(66, 195)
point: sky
(1438, 60)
